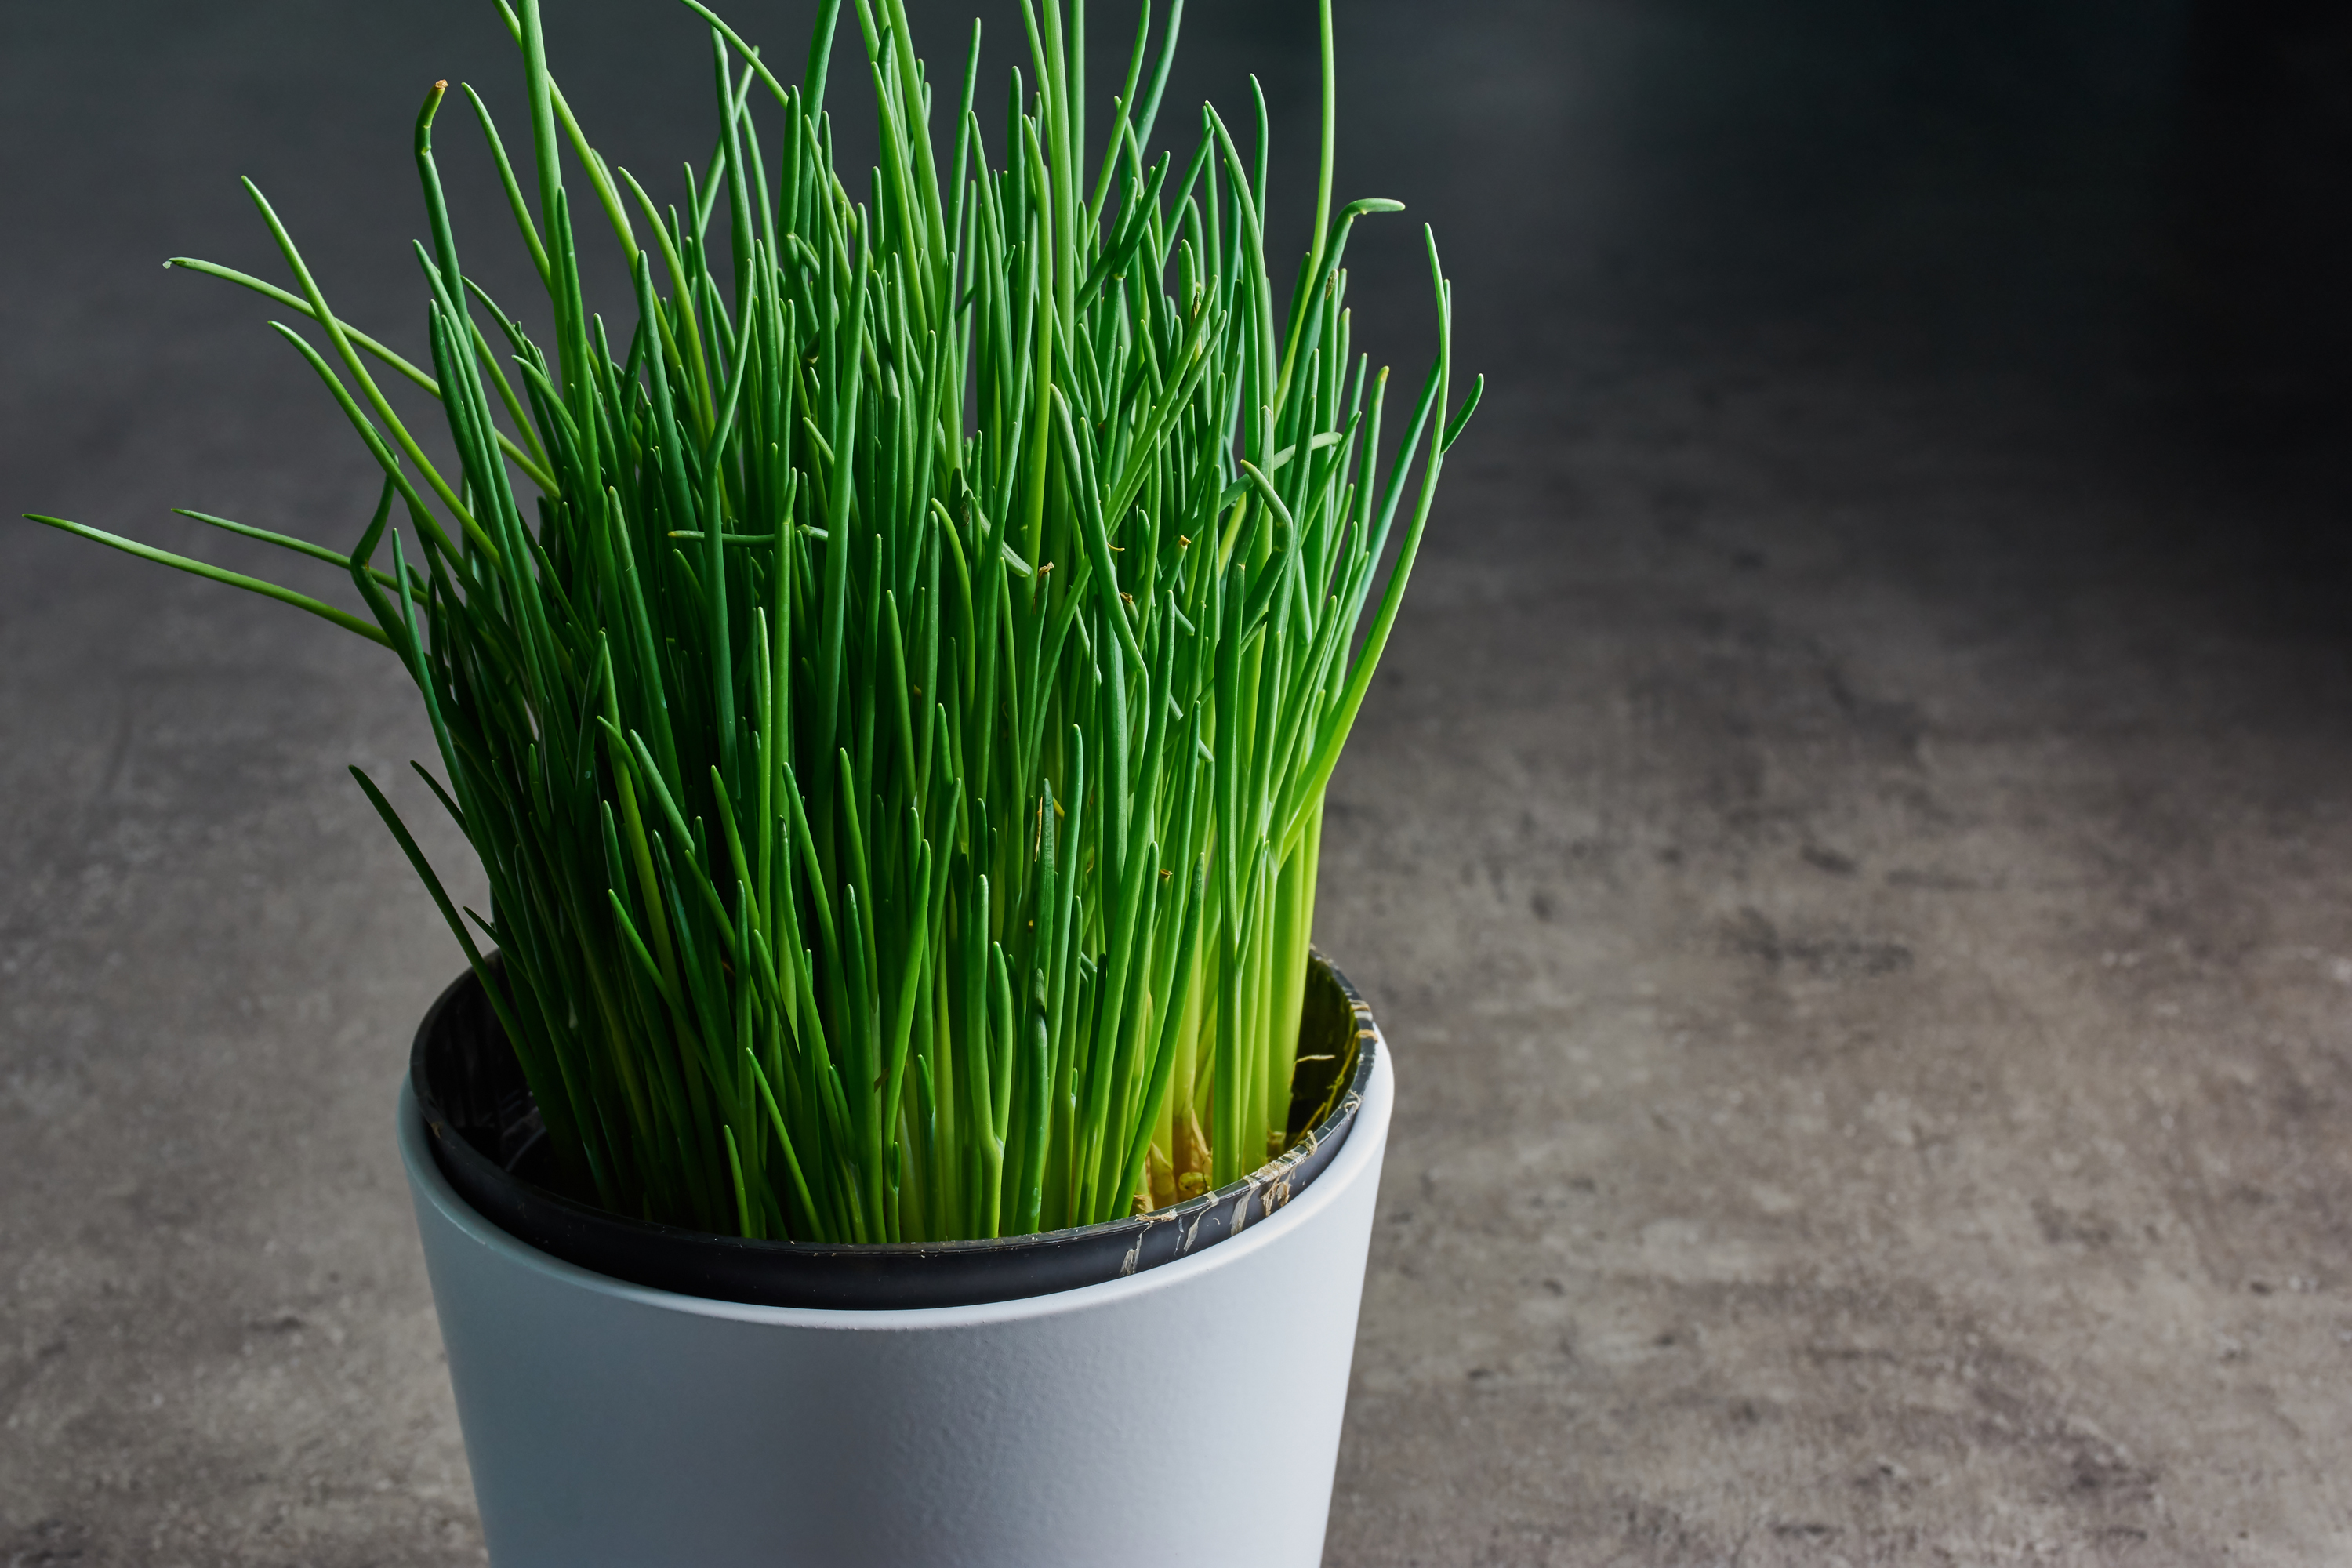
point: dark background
(1849, 844)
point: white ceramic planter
(1188, 1415)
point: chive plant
(892, 690)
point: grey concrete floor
(1851, 849)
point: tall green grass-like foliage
(892, 688)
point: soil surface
(1849, 846)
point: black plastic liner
(487, 1140)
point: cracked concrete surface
(1849, 846)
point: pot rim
(1361, 1153)
(871, 1277)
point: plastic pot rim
(1364, 1146)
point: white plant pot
(1188, 1415)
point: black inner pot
(488, 1141)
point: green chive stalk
(892, 690)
